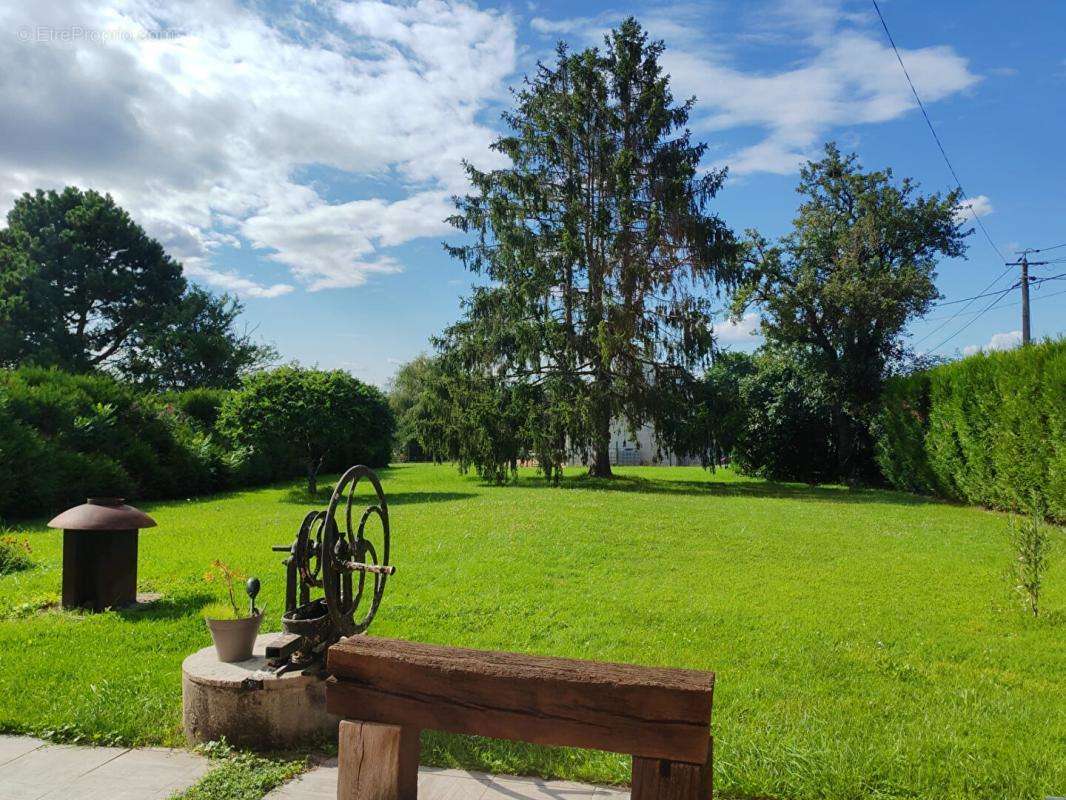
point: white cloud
(203, 134)
(999, 341)
(979, 206)
(741, 331)
(849, 76)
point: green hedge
(989, 429)
(66, 437)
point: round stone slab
(249, 706)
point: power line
(972, 321)
(1000, 296)
(1053, 247)
(1002, 305)
(975, 297)
(969, 302)
(932, 130)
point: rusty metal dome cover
(102, 514)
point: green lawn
(867, 644)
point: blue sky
(301, 156)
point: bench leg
(658, 779)
(377, 762)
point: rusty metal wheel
(340, 547)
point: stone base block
(251, 707)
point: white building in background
(639, 450)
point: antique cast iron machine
(343, 561)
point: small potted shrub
(232, 631)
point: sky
(302, 156)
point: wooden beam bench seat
(389, 690)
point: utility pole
(1025, 300)
(1025, 263)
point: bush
(989, 429)
(14, 554)
(65, 437)
(202, 406)
(307, 420)
(787, 431)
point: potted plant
(232, 631)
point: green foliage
(66, 437)
(599, 250)
(194, 344)
(202, 406)
(858, 265)
(989, 429)
(15, 554)
(242, 776)
(310, 419)
(86, 278)
(408, 400)
(706, 417)
(786, 432)
(1031, 541)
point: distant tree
(88, 280)
(474, 418)
(598, 247)
(407, 398)
(708, 413)
(858, 265)
(786, 431)
(195, 344)
(310, 417)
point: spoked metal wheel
(354, 556)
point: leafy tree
(786, 432)
(407, 399)
(707, 414)
(310, 417)
(474, 419)
(87, 280)
(858, 265)
(597, 244)
(195, 344)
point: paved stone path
(34, 770)
(453, 784)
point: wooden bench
(388, 690)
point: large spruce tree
(597, 244)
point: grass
(241, 776)
(867, 643)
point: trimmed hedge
(989, 429)
(66, 437)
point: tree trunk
(312, 476)
(601, 446)
(845, 447)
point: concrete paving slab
(148, 774)
(12, 747)
(36, 773)
(435, 783)
(58, 772)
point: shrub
(202, 406)
(307, 419)
(989, 429)
(14, 554)
(787, 431)
(1031, 542)
(64, 437)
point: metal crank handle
(359, 566)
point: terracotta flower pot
(234, 638)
